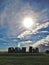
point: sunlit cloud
(44, 41)
(34, 31)
(11, 18)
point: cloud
(13, 14)
(43, 15)
(44, 41)
(25, 44)
(11, 17)
(34, 31)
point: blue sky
(12, 12)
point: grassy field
(24, 59)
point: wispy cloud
(44, 41)
(11, 17)
(34, 31)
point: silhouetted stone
(34, 50)
(10, 49)
(30, 49)
(47, 51)
(17, 50)
(23, 50)
(37, 50)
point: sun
(28, 22)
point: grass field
(24, 59)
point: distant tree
(10, 49)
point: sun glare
(28, 22)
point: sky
(13, 33)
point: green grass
(22, 59)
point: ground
(24, 59)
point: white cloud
(34, 31)
(24, 34)
(26, 43)
(44, 41)
(13, 17)
(14, 12)
(43, 15)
